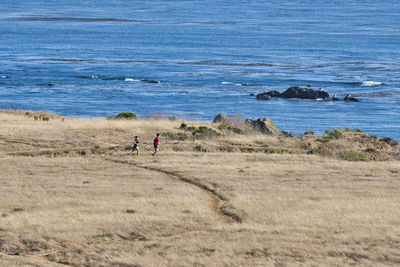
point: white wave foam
(230, 83)
(3, 77)
(371, 83)
(94, 77)
(131, 80)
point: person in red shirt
(156, 142)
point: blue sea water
(194, 59)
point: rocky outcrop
(297, 92)
(222, 118)
(263, 125)
(263, 96)
(304, 93)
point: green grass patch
(105, 235)
(279, 151)
(17, 209)
(130, 211)
(352, 156)
(153, 245)
(333, 134)
(126, 116)
(256, 252)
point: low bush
(332, 134)
(389, 141)
(318, 150)
(183, 126)
(353, 156)
(370, 150)
(175, 136)
(308, 133)
(126, 116)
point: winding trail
(218, 200)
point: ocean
(195, 59)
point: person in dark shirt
(156, 142)
(135, 146)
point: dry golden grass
(72, 195)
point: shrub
(352, 156)
(17, 209)
(205, 132)
(200, 148)
(222, 126)
(235, 129)
(318, 150)
(130, 211)
(370, 150)
(279, 151)
(333, 134)
(183, 126)
(308, 133)
(175, 136)
(389, 141)
(358, 130)
(126, 116)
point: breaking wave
(371, 83)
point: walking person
(156, 142)
(135, 146)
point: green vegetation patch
(123, 116)
(105, 235)
(130, 211)
(279, 151)
(176, 136)
(200, 148)
(353, 156)
(332, 134)
(234, 129)
(137, 236)
(201, 132)
(308, 133)
(17, 209)
(256, 252)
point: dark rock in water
(334, 98)
(150, 81)
(222, 118)
(251, 94)
(274, 93)
(349, 98)
(263, 96)
(263, 125)
(287, 134)
(304, 93)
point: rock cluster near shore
(261, 125)
(303, 93)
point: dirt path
(218, 201)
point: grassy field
(70, 194)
